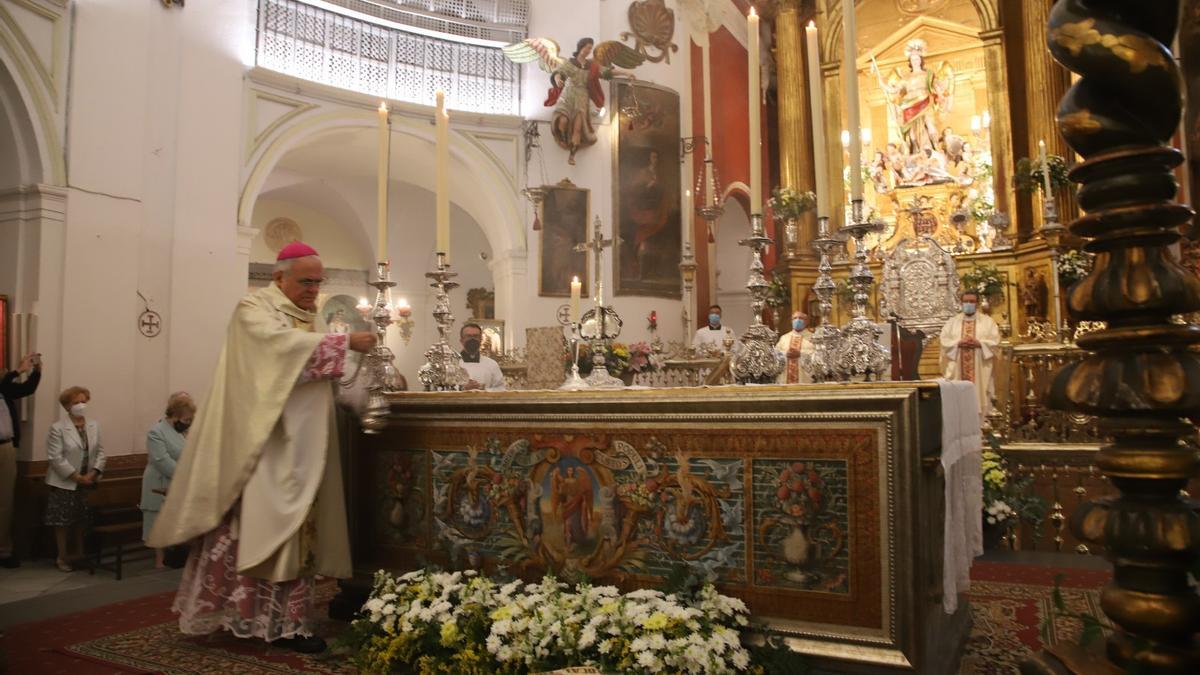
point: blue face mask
(968, 308)
(714, 319)
(797, 324)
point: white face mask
(78, 409)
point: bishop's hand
(362, 341)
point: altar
(820, 506)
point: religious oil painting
(603, 508)
(801, 525)
(565, 212)
(647, 190)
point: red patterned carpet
(140, 636)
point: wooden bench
(112, 527)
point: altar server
(484, 372)
(258, 489)
(711, 338)
(794, 345)
(968, 349)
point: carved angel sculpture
(915, 96)
(574, 82)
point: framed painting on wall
(647, 190)
(4, 334)
(565, 212)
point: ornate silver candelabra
(1052, 232)
(443, 369)
(860, 352)
(758, 362)
(821, 364)
(379, 364)
(574, 382)
(687, 270)
(600, 326)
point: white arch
(495, 208)
(38, 101)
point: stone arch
(490, 202)
(831, 43)
(27, 106)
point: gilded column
(1141, 375)
(795, 129)
(1046, 82)
(1001, 129)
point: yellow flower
(502, 613)
(449, 633)
(656, 621)
(609, 608)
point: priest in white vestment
(483, 370)
(969, 342)
(794, 345)
(258, 488)
(710, 339)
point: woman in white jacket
(76, 461)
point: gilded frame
(646, 226)
(564, 229)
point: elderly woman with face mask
(76, 462)
(164, 445)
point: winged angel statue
(575, 81)
(916, 95)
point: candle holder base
(379, 364)
(443, 369)
(758, 362)
(574, 382)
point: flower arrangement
(437, 623)
(1007, 500)
(619, 358)
(985, 280)
(1027, 175)
(787, 203)
(1073, 266)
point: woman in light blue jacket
(164, 444)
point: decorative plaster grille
(318, 44)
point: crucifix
(596, 245)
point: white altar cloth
(962, 448)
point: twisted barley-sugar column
(795, 128)
(1046, 82)
(1139, 378)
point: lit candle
(850, 75)
(381, 203)
(987, 119)
(845, 138)
(403, 309)
(817, 110)
(755, 114)
(363, 306)
(689, 210)
(575, 291)
(975, 124)
(442, 171)
(1045, 168)
(865, 135)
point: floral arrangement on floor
(787, 203)
(437, 623)
(1027, 175)
(985, 280)
(1073, 266)
(1006, 499)
(620, 359)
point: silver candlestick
(687, 269)
(860, 352)
(758, 362)
(600, 326)
(443, 369)
(379, 364)
(574, 382)
(821, 364)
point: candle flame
(812, 25)
(383, 107)
(752, 12)
(403, 302)
(574, 280)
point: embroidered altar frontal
(819, 506)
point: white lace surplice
(962, 447)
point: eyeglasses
(309, 283)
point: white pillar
(510, 275)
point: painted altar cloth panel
(786, 517)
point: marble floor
(37, 590)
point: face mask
(968, 308)
(78, 409)
(797, 324)
(471, 345)
(714, 319)
(182, 426)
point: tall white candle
(689, 216)
(1045, 168)
(442, 177)
(850, 95)
(755, 114)
(576, 288)
(381, 200)
(817, 112)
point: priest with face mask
(794, 345)
(257, 490)
(484, 372)
(968, 349)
